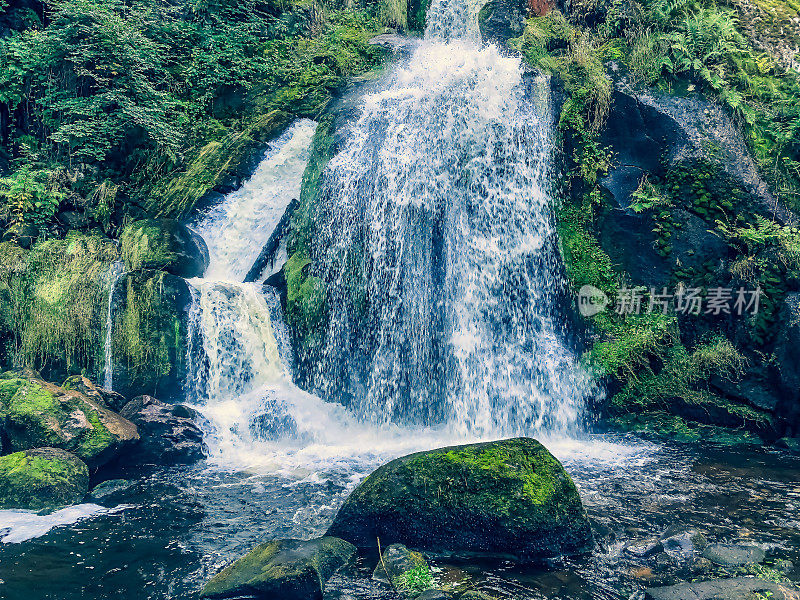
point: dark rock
(109, 491)
(509, 497)
(627, 237)
(164, 245)
(787, 357)
(168, 432)
(108, 398)
(500, 20)
(285, 569)
(73, 220)
(149, 334)
(643, 548)
(737, 588)
(42, 478)
(433, 595)
(734, 555)
(792, 444)
(685, 544)
(474, 595)
(36, 414)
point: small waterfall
(438, 248)
(116, 271)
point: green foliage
(305, 299)
(31, 197)
(415, 580)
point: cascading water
(438, 247)
(116, 271)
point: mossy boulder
(164, 245)
(36, 414)
(285, 569)
(43, 478)
(509, 497)
(106, 397)
(149, 334)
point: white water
(21, 525)
(438, 248)
(115, 272)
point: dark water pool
(169, 532)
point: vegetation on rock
(44, 478)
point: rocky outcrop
(164, 245)
(501, 20)
(285, 569)
(36, 414)
(101, 395)
(168, 432)
(510, 497)
(42, 478)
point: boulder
(35, 414)
(168, 432)
(42, 478)
(509, 497)
(787, 358)
(735, 588)
(101, 395)
(734, 555)
(109, 491)
(500, 20)
(164, 245)
(285, 569)
(683, 545)
(644, 548)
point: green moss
(305, 301)
(41, 479)
(414, 580)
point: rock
(433, 595)
(42, 478)
(164, 245)
(108, 398)
(787, 358)
(734, 555)
(35, 414)
(684, 545)
(791, 444)
(475, 595)
(736, 588)
(149, 334)
(109, 490)
(500, 20)
(509, 497)
(408, 570)
(643, 548)
(168, 432)
(285, 569)
(72, 219)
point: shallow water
(184, 524)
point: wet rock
(474, 595)
(108, 491)
(108, 398)
(42, 478)
(734, 555)
(168, 432)
(285, 569)
(787, 357)
(792, 444)
(700, 565)
(433, 595)
(500, 20)
(737, 588)
(643, 548)
(164, 245)
(408, 570)
(684, 545)
(510, 497)
(36, 414)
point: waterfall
(438, 249)
(116, 271)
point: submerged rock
(509, 497)
(734, 555)
(168, 432)
(164, 245)
(35, 414)
(285, 569)
(43, 478)
(109, 490)
(736, 588)
(406, 570)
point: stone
(108, 398)
(169, 434)
(790, 443)
(734, 555)
(433, 595)
(736, 588)
(474, 595)
(42, 478)
(164, 245)
(643, 548)
(509, 497)
(109, 490)
(35, 414)
(685, 544)
(500, 20)
(285, 569)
